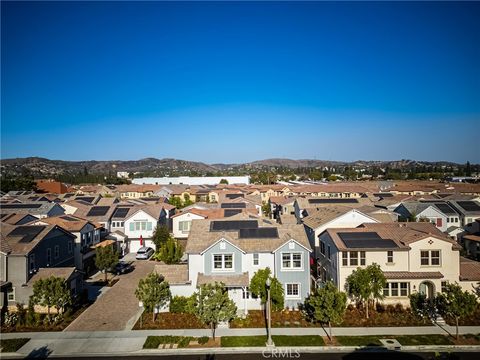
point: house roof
(33, 208)
(402, 234)
(472, 237)
(282, 200)
(174, 274)
(201, 237)
(469, 270)
(55, 187)
(43, 273)
(14, 219)
(406, 275)
(228, 280)
(68, 222)
(21, 239)
(324, 215)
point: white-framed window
(11, 294)
(256, 259)
(396, 289)
(222, 262)
(430, 258)
(56, 252)
(246, 294)
(292, 290)
(390, 256)
(292, 260)
(345, 258)
(184, 225)
(353, 258)
(444, 286)
(49, 256)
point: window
(222, 261)
(56, 251)
(322, 247)
(245, 293)
(255, 259)
(389, 257)
(49, 256)
(329, 253)
(396, 289)
(122, 223)
(137, 225)
(293, 290)
(430, 257)
(184, 225)
(132, 226)
(362, 258)
(344, 258)
(32, 262)
(143, 225)
(70, 247)
(291, 260)
(353, 258)
(444, 286)
(11, 294)
(149, 225)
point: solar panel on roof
(230, 225)
(234, 196)
(21, 206)
(3, 215)
(88, 199)
(332, 201)
(69, 218)
(362, 240)
(98, 210)
(445, 208)
(232, 212)
(258, 233)
(383, 195)
(28, 233)
(469, 205)
(233, 205)
(121, 212)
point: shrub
(350, 307)
(203, 340)
(21, 314)
(390, 309)
(399, 308)
(380, 307)
(184, 341)
(11, 319)
(30, 314)
(178, 304)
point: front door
(426, 288)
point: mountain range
(45, 167)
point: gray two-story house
(29, 252)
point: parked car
(122, 268)
(144, 253)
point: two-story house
(39, 209)
(439, 213)
(469, 211)
(87, 235)
(414, 257)
(232, 250)
(27, 250)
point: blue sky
(235, 82)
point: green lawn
(279, 340)
(373, 340)
(12, 345)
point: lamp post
(269, 315)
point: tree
(175, 201)
(420, 305)
(214, 305)
(51, 292)
(106, 258)
(327, 305)
(224, 181)
(455, 302)
(160, 236)
(366, 284)
(259, 289)
(170, 252)
(153, 291)
(266, 209)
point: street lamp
(269, 314)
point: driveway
(116, 309)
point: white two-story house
(231, 251)
(415, 257)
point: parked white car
(144, 253)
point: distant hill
(42, 167)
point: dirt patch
(169, 321)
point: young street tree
(160, 236)
(170, 252)
(51, 292)
(105, 259)
(258, 288)
(327, 305)
(214, 305)
(153, 291)
(456, 303)
(366, 284)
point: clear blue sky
(234, 82)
